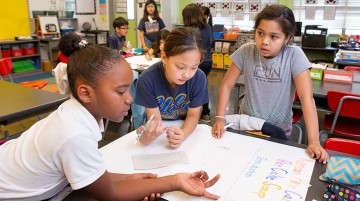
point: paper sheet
(152, 161)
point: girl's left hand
(318, 152)
(175, 136)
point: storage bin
(16, 52)
(65, 31)
(29, 51)
(218, 35)
(5, 53)
(23, 66)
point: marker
(228, 125)
(145, 126)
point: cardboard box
(336, 75)
(227, 61)
(316, 74)
(215, 59)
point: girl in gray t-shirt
(273, 70)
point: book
(225, 47)
(218, 46)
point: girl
(63, 147)
(158, 46)
(273, 70)
(150, 25)
(207, 15)
(66, 48)
(193, 17)
(174, 88)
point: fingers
(318, 152)
(218, 130)
(211, 196)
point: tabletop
(140, 63)
(250, 167)
(18, 102)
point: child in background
(67, 45)
(158, 45)
(150, 25)
(118, 38)
(63, 147)
(117, 41)
(207, 15)
(193, 17)
(273, 70)
(174, 88)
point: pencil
(145, 126)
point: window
(346, 14)
(346, 17)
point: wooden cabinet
(25, 54)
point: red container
(17, 52)
(29, 51)
(5, 53)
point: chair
(6, 68)
(352, 68)
(38, 84)
(296, 122)
(347, 146)
(345, 120)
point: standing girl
(62, 149)
(272, 71)
(150, 25)
(174, 88)
(193, 17)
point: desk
(319, 87)
(19, 102)
(49, 44)
(140, 63)
(234, 157)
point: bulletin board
(85, 7)
(14, 19)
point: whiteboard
(47, 23)
(85, 7)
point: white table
(140, 63)
(244, 163)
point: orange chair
(345, 120)
(6, 68)
(347, 146)
(38, 84)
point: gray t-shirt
(269, 83)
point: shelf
(20, 47)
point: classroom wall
(102, 21)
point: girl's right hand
(218, 130)
(154, 130)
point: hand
(318, 152)
(175, 136)
(218, 130)
(148, 56)
(196, 183)
(145, 48)
(153, 131)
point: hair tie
(83, 42)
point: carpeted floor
(32, 76)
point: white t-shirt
(60, 149)
(269, 83)
(61, 78)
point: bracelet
(222, 117)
